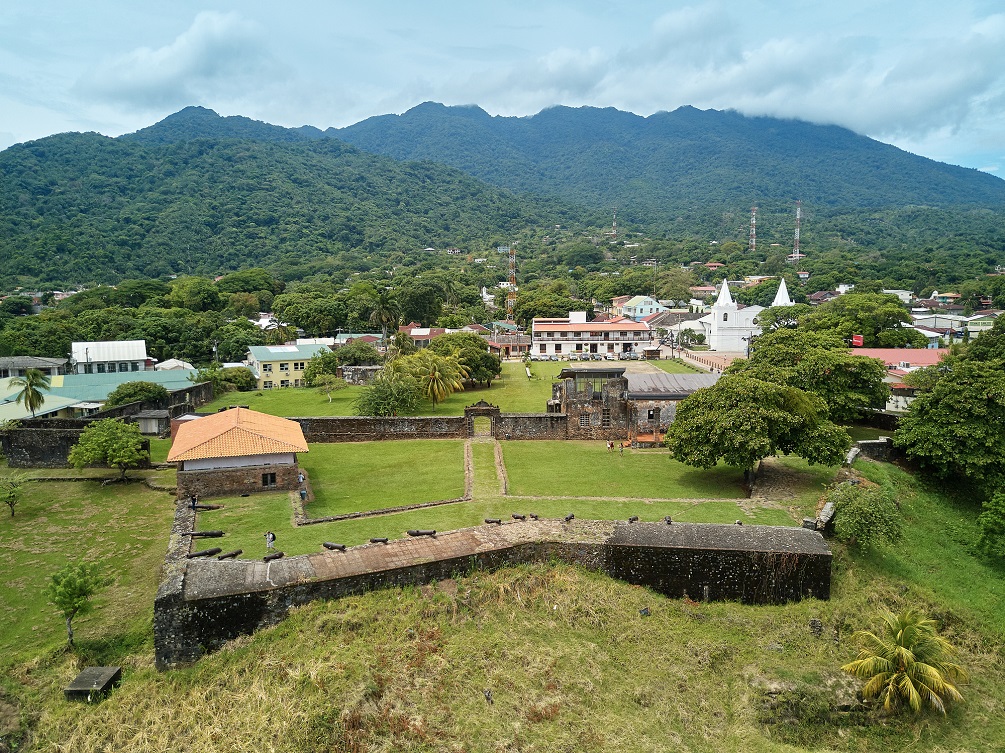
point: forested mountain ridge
(86, 208)
(202, 194)
(673, 161)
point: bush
(132, 392)
(992, 525)
(240, 378)
(864, 516)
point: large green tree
(820, 363)
(131, 392)
(957, 430)
(110, 442)
(740, 420)
(908, 665)
(391, 393)
(879, 318)
(472, 353)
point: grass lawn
(159, 449)
(372, 475)
(571, 662)
(513, 392)
(676, 366)
(587, 469)
(124, 527)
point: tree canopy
(111, 442)
(820, 363)
(741, 420)
(131, 392)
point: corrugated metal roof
(112, 350)
(663, 386)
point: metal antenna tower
(511, 297)
(799, 217)
(753, 230)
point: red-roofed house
(237, 450)
(901, 361)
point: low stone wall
(44, 448)
(203, 603)
(375, 429)
(531, 426)
(230, 481)
(877, 449)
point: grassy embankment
(570, 661)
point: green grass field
(513, 392)
(571, 662)
(587, 469)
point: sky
(927, 76)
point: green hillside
(672, 161)
(86, 208)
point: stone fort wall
(203, 603)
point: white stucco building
(728, 326)
(573, 334)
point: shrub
(992, 525)
(864, 516)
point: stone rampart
(531, 426)
(203, 603)
(44, 448)
(374, 429)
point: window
(101, 368)
(298, 365)
(266, 368)
(653, 415)
(298, 382)
(725, 316)
(284, 382)
(605, 418)
(543, 348)
(584, 420)
(267, 385)
(268, 480)
(134, 366)
(284, 367)
(88, 368)
(558, 348)
(123, 367)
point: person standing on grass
(270, 540)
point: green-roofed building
(281, 365)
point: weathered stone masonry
(203, 603)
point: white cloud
(219, 55)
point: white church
(727, 327)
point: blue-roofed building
(75, 395)
(281, 365)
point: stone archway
(481, 419)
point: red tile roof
(235, 433)
(894, 356)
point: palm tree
(384, 313)
(910, 664)
(438, 376)
(31, 384)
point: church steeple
(724, 299)
(782, 296)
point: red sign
(857, 340)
